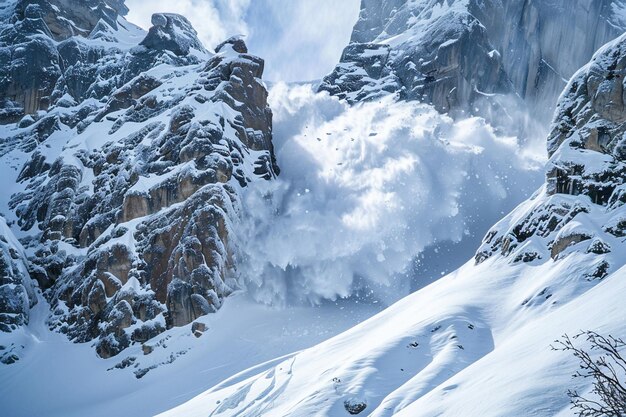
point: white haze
(365, 189)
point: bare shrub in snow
(604, 363)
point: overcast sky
(300, 40)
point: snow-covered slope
(55, 377)
(477, 342)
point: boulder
(236, 43)
(172, 32)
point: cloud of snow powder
(365, 189)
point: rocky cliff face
(460, 55)
(582, 206)
(136, 147)
(31, 62)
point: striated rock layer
(137, 146)
(460, 55)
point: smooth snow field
(58, 378)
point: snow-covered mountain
(477, 342)
(124, 153)
(473, 56)
(143, 214)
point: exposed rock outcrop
(17, 293)
(33, 56)
(66, 18)
(172, 32)
(62, 54)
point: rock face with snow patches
(585, 193)
(17, 294)
(477, 342)
(173, 33)
(32, 61)
(136, 147)
(458, 54)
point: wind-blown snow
(365, 189)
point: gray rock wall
(543, 43)
(17, 293)
(457, 55)
(32, 60)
